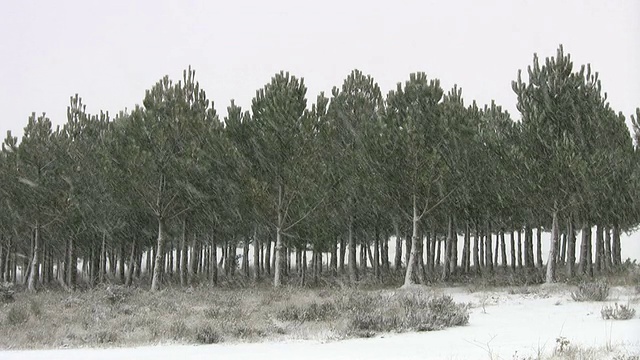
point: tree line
(170, 191)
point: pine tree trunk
(398, 257)
(413, 256)
(599, 257)
(214, 259)
(2, 256)
(157, 267)
(132, 254)
(121, 257)
(519, 245)
(571, 250)
(385, 252)
(615, 247)
(553, 246)
(489, 257)
(33, 272)
(353, 268)
(453, 251)
(334, 257)
(376, 253)
(267, 255)
(503, 253)
(182, 270)
(476, 249)
(245, 257)
(585, 249)
(466, 249)
(432, 252)
(102, 269)
(512, 241)
(72, 268)
(539, 248)
(256, 254)
(343, 253)
(607, 249)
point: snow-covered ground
(506, 324)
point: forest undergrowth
(240, 310)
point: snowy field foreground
(502, 325)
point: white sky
(110, 52)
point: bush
(179, 330)
(17, 315)
(207, 335)
(310, 312)
(593, 291)
(115, 294)
(619, 312)
(6, 292)
(409, 312)
(35, 307)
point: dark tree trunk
(157, 267)
(571, 250)
(398, 258)
(503, 253)
(539, 248)
(353, 269)
(343, 253)
(385, 252)
(132, 255)
(376, 253)
(513, 250)
(607, 249)
(466, 249)
(333, 265)
(489, 257)
(615, 247)
(432, 252)
(519, 248)
(73, 265)
(599, 257)
(256, 254)
(267, 255)
(214, 259)
(476, 249)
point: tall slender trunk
(267, 254)
(411, 264)
(102, 269)
(277, 279)
(385, 252)
(245, 257)
(584, 249)
(353, 268)
(376, 253)
(512, 241)
(476, 248)
(539, 247)
(571, 249)
(489, 257)
(72, 268)
(432, 246)
(183, 254)
(599, 257)
(343, 253)
(551, 260)
(214, 259)
(519, 248)
(615, 247)
(256, 254)
(466, 249)
(157, 267)
(34, 260)
(2, 256)
(607, 248)
(398, 257)
(132, 254)
(453, 247)
(333, 265)
(503, 253)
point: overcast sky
(111, 51)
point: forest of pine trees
(355, 184)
